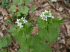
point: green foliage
(17, 1)
(18, 14)
(49, 29)
(27, 1)
(31, 16)
(25, 40)
(13, 8)
(39, 45)
(22, 35)
(5, 4)
(4, 41)
(8, 22)
(32, 8)
(3, 1)
(2, 50)
(23, 10)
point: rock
(1, 17)
(68, 28)
(15, 49)
(58, 38)
(60, 9)
(68, 41)
(4, 11)
(1, 34)
(62, 41)
(62, 36)
(3, 28)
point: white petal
(22, 18)
(52, 16)
(41, 15)
(46, 19)
(49, 16)
(46, 11)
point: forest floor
(59, 9)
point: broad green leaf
(27, 2)
(41, 23)
(23, 10)
(20, 9)
(18, 14)
(49, 29)
(32, 16)
(13, 8)
(8, 38)
(4, 1)
(32, 8)
(17, 1)
(40, 46)
(23, 37)
(4, 41)
(2, 50)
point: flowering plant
(21, 33)
(48, 30)
(49, 26)
(21, 21)
(46, 14)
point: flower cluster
(20, 23)
(46, 14)
(53, 0)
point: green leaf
(2, 50)
(8, 38)
(32, 16)
(49, 29)
(40, 46)
(13, 8)
(17, 1)
(8, 21)
(4, 1)
(41, 23)
(0, 43)
(22, 35)
(18, 14)
(32, 8)
(4, 41)
(27, 2)
(23, 10)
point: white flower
(24, 20)
(46, 11)
(19, 23)
(53, 0)
(46, 14)
(52, 16)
